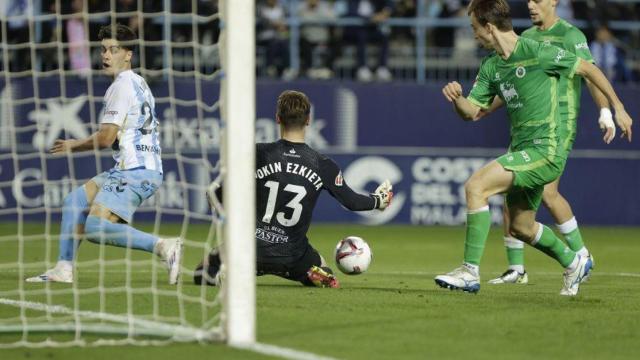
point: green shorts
(532, 168)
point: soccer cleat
(60, 273)
(172, 256)
(321, 278)
(461, 278)
(573, 278)
(593, 266)
(511, 277)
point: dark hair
(125, 36)
(496, 12)
(293, 108)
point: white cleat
(172, 256)
(60, 273)
(572, 279)
(461, 278)
(511, 277)
(593, 266)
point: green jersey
(566, 36)
(528, 83)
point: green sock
(554, 247)
(478, 225)
(515, 255)
(574, 239)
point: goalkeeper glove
(606, 124)
(383, 195)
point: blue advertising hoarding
(405, 132)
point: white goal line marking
(283, 352)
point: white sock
(518, 268)
(583, 252)
(475, 269)
(573, 264)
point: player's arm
(593, 74)
(495, 105)
(606, 117)
(576, 42)
(101, 139)
(334, 183)
(467, 110)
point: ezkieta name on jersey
(291, 168)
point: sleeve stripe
(478, 103)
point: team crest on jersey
(561, 54)
(339, 180)
(521, 72)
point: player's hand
(624, 122)
(606, 125)
(452, 91)
(383, 195)
(62, 146)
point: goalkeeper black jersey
(289, 179)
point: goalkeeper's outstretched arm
(101, 139)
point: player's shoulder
(124, 82)
(570, 31)
(529, 33)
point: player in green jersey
(549, 28)
(525, 75)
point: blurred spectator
(78, 38)
(273, 34)
(315, 39)
(609, 57)
(444, 36)
(404, 9)
(564, 9)
(17, 32)
(375, 12)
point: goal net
(51, 88)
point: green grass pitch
(395, 310)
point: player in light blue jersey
(102, 208)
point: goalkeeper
(290, 176)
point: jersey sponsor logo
(510, 95)
(271, 237)
(525, 156)
(521, 72)
(547, 42)
(582, 45)
(561, 54)
(148, 148)
(111, 112)
(339, 179)
(497, 76)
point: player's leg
(208, 271)
(491, 179)
(74, 215)
(563, 215)
(312, 270)
(118, 198)
(522, 209)
(515, 273)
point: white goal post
(238, 108)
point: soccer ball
(353, 255)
